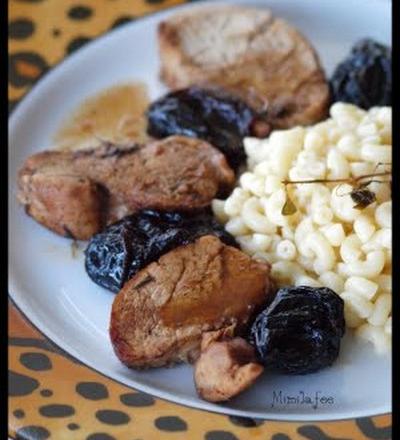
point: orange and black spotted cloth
(53, 396)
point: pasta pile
(325, 241)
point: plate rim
(22, 106)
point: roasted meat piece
(227, 366)
(252, 54)
(76, 193)
(160, 314)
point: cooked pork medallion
(249, 52)
(76, 193)
(160, 314)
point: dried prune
(364, 78)
(125, 247)
(300, 331)
(209, 114)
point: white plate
(52, 288)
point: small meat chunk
(226, 366)
(159, 315)
(252, 54)
(77, 193)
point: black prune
(364, 78)
(209, 114)
(125, 247)
(300, 331)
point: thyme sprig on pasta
(350, 180)
(360, 194)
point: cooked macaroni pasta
(326, 241)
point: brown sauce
(115, 114)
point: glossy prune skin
(300, 331)
(364, 78)
(116, 254)
(209, 114)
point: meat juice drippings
(114, 114)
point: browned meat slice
(226, 366)
(160, 314)
(75, 193)
(249, 52)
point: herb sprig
(360, 193)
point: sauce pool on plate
(114, 114)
